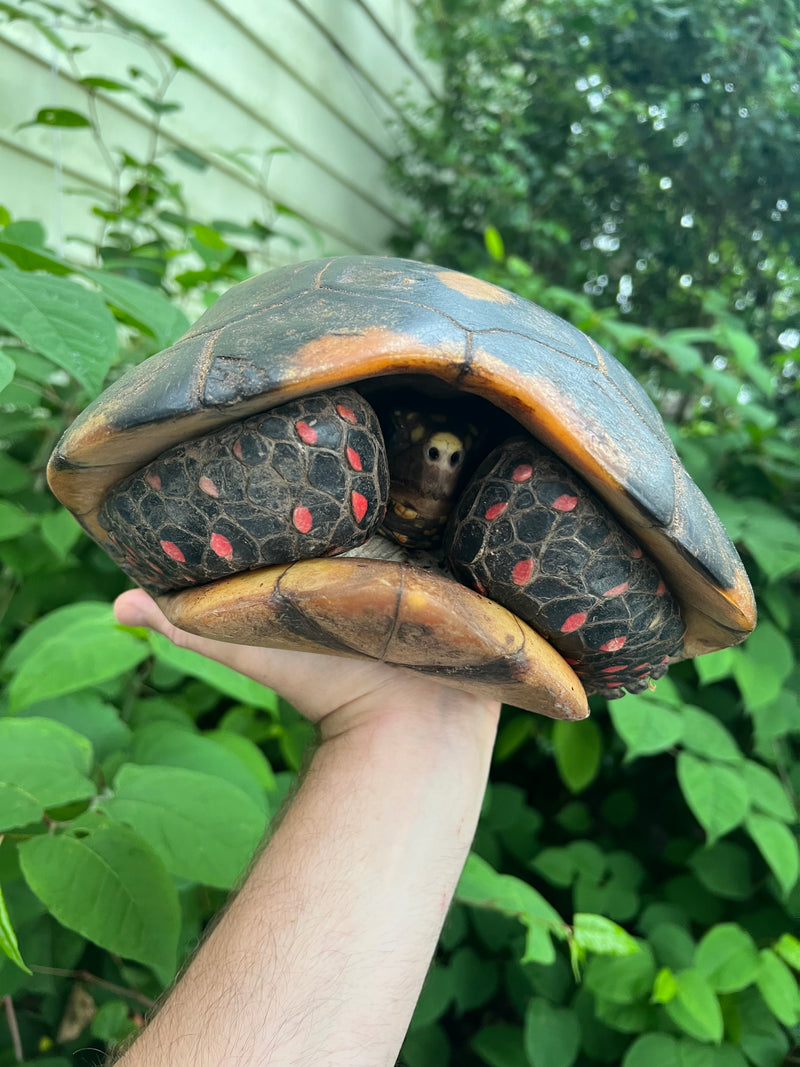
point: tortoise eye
(433, 453)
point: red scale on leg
(574, 622)
(305, 432)
(618, 590)
(614, 644)
(153, 480)
(353, 459)
(346, 413)
(237, 449)
(207, 486)
(521, 574)
(301, 519)
(495, 510)
(173, 551)
(660, 589)
(565, 502)
(359, 504)
(522, 473)
(222, 546)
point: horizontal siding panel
(267, 76)
(398, 21)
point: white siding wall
(318, 78)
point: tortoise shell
(379, 321)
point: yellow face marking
(405, 512)
(417, 434)
(446, 442)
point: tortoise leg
(306, 479)
(530, 534)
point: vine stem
(16, 1041)
(87, 976)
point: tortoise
(544, 540)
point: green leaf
(724, 869)
(14, 521)
(148, 307)
(552, 1034)
(50, 626)
(162, 805)
(219, 677)
(778, 845)
(695, 1007)
(578, 750)
(706, 736)
(58, 116)
(86, 714)
(61, 320)
(646, 724)
(494, 243)
(60, 531)
(665, 986)
(45, 759)
(8, 939)
(249, 754)
(788, 948)
(18, 807)
(500, 1045)
(34, 258)
(482, 886)
(763, 665)
(770, 535)
(653, 1050)
(105, 83)
(596, 933)
(84, 654)
(714, 666)
(767, 792)
(622, 978)
(7, 370)
(473, 979)
(778, 986)
(111, 888)
(728, 957)
(716, 795)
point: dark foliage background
(633, 892)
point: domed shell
(305, 328)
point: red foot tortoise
(544, 539)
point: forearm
(321, 957)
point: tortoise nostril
(433, 453)
(455, 459)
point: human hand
(335, 692)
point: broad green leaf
(714, 666)
(473, 979)
(426, 1047)
(84, 654)
(788, 948)
(249, 754)
(27, 257)
(761, 1037)
(695, 1055)
(163, 805)
(695, 1007)
(500, 1045)
(778, 986)
(168, 745)
(60, 531)
(45, 759)
(622, 978)
(716, 795)
(728, 957)
(724, 869)
(61, 320)
(222, 678)
(8, 939)
(105, 83)
(653, 1050)
(767, 792)
(778, 845)
(7, 369)
(762, 665)
(645, 724)
(89, 715)
(483, 887)
(706, 736)
(770, 535)
(552, 1034)
(494, 243)
(53, 624)
(578, 750)
(18, 807)
(112, 888)
(148, 307)
(14, 521)
(596, 933)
